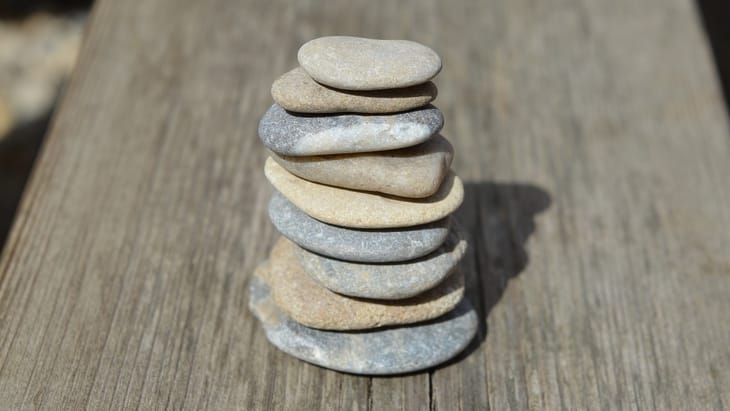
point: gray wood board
(591, 134)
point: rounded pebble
(356, 63)
(297, 91)
(414, 172)
(293, 134)
(367, 246)
(391, 281)
(359, 209)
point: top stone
(355, 63)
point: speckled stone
(414, 172)
(384, 351)
(293, 134)
(358, 209)
(370, 246)
(356, 63)
(385, 281)
(308, 303)
(297, 91)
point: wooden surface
(592, 136)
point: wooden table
(593, 139)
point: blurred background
(39, 43)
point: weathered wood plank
(612, 108)
(593, 141)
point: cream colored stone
(297, 91)
(414, 172)
(356, 63)
(359, 209)
(310, 304)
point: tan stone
(360, 209)
(297, 91)
(356, 63)
(308, 303)
(414, 172)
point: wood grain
(593, 140)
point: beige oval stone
(310, 304)
(414, 172)
(360, 209)
(356, 63)
(297, 91)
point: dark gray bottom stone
(383, 351)
(367, 246)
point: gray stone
(296, 91)
(356, 63)
(294, 134)
(370, 246)
(36, 58)
(385, 281)
(384, 351)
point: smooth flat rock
(370, 246)
(359, 209)
(297, 91)
(385, 281)
(414, 172)
(384, 351)
(310, 304)
(356, 63)
(294, 134)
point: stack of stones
(365, 278)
